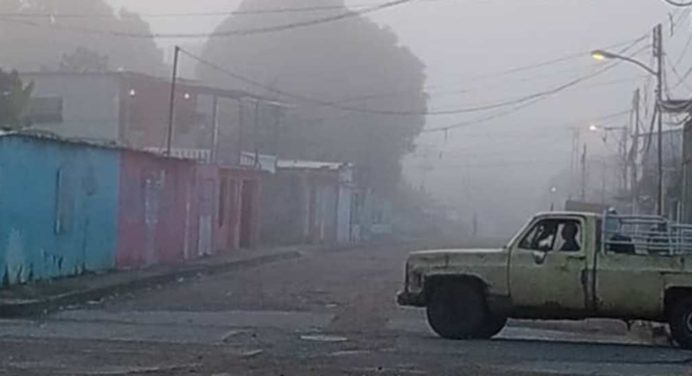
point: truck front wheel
(456, 310)
(680, 321)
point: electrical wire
(681, 80)
(311, 9)
(541, 133)
(679, 3)
(219, 34)
(516, 101)
(684, 50)
(521, 106)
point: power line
(681, 80)
(684, 50)
(522, 106)
(220, 34)
(407, 91)
(516, 101)
(679, 3)
(570, 56)
(191, 14)
(565, 126)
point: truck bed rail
(645, 234)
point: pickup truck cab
(559, 266)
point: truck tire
(456, 310)
(680, 320)
(492, 325)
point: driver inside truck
(569, 235)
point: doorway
(247, 213)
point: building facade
(132, 109)
(69, 207)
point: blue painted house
(58, 207)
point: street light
(658, 73)
(601, 55)
(553, 190)
(596, 128)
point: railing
(201, 155)
(645, 234)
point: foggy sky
(500, 169)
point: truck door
(547, 271)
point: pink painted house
(158, 212)
(172, 210)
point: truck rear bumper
(405, 298)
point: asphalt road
(327, 313)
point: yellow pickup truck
(560, 266)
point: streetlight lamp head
(601, 55)
(596, 55)
(593, 127)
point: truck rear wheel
(680, 321)
(492, 325)
(456, 310)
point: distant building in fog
(132, 109)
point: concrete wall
(70, 207)
(305, 206)
(157, 221)
(58, 209)
(91, 104)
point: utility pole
(574, 158)
(658, 54)
(241, 126)
(634, 155)
(624, 143)
(256, 134)
(215, 130)
(583, 175)
(171, 106)
(686, 175)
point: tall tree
(352, 61)
(42, 31)
(14, 100)
(84, 60)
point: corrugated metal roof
(197, 86)
(50, 136)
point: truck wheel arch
(432, 281)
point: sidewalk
(46, 296)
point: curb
(54, 303)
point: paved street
(327, 313)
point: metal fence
(645, 234)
